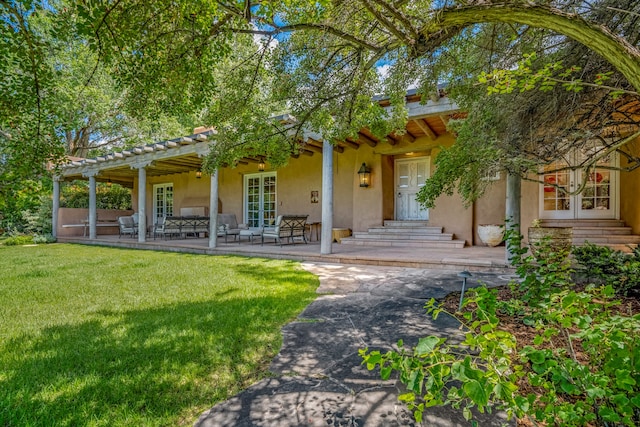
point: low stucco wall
(71, 221)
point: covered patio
(476, 258)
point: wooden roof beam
(313, 148)
(350, 144)
(424, 126)
(390, 140)
(367, 140)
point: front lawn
(112, 337)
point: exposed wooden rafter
(424, 126)
(350, 144)
(364, 138)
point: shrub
(603, 265)
(18, 240)
(581, 369)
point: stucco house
(323, 182)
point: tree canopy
(237, 64)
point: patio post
(512, 207)
(327, 198)
(142, 204)
(213, 211)
(93, 213)
(56, 206)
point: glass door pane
(597, 199)
(557, 202)
(260, 199)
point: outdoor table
(249, 232)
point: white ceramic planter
(491, 234)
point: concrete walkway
(318, 379)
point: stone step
(579, 223)
(601, 231)
(435, 244)
(406, 230)
(607, 240)
(402, 236)
(393, 223)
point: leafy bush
(581, 368)
(18, 240)
(601, 264)
(39, 219)
(43, 238)
(76, 195)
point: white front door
(260, 204)
(410, 176)
(599, 197)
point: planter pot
(559, 238)
(491, 234)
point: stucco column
(213, 211)
(56, 207)
(142, 204)
(93, 213)
(512, 207)
(327, 198)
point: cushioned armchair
(127, 226)
(228, 226)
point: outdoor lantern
(261, 166)
(198, 174)
(365, 175)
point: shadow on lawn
(159, 366)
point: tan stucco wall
(449, 211)
(490, 208)
(78, 216)
(354, 207)
(630, 200)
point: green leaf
(476, 392)
(426, 345)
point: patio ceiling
(185, 154)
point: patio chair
(287, 227)
(158, 227)
(126, 226)
(228, 226)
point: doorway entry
(260, 203)
(410, 176)
(599, 198)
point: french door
(162, 200)
(260, 204)
(410, 177)
(599, 195)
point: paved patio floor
(475, 258)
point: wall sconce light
(261, 165)
(109, 182)
(198, 174)
(365, 175)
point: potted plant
(491, 234)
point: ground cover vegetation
(134, 338)
(547, 350)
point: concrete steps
(413, 234)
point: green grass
(98, 336)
